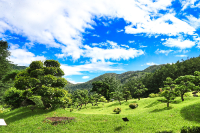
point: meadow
(150, 116)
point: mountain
(124, 77)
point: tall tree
(5, 67)
(139, 89)
(185, 84)
(118, 94)
(168, 90)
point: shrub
(71, 110)
(133, 105)
(193, 129)
(13, 97)
(152, 95)
(117, 110)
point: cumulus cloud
(180, 43)
(85, 77)
(160, 26)
(115, 53)
(65, 21)
(166, 52)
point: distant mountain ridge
(124, 77)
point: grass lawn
(150, 116)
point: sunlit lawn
(151, 116)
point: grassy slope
(151, 116)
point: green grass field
(151, 116)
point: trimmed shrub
(117, 110)
(13, 97)
(71, 110)
(133, 105)
(193, 129)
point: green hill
(151, 116)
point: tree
(168, 90)
(106, 86)
(185, 84)
(81, 96)
(46, 82)
(117, 94)
(5, 67)
(126, 93)
(139, 89)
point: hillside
(124, 77)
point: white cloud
(150, 64)
(193, 21)
(72, 81)
(125, 45)
(120, 30)
(85, 77)
(180, 43)
(162, 39)
(160, 26)
(65, 21)
(141, 46)
(131, 41)
(96, 35)
(181, 55)
(190, 3)
(166, 52)
(105, 24)
(116, 53)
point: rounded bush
(71, 110)
(117, 110)
(133, 105)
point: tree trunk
(182, 97)
(167, 104)
(119, 102)
(126, 99)
(138, 98)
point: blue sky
(93, 37)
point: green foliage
(152, 95)
(37, 100)
(133, 105)
(192, 129)
(106, 86)
(117, 110)
(13, 97)
(139, 89)
(117, 94)
(102, 99)
(46, 82)
(71, 110)
(185, 84)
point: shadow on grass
(118, 128)
(22, 113)
(95, 107)
(116, 104)
(191, 112)
(159, 110)
(152, 104)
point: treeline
(155, 80)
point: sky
(93, 37)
